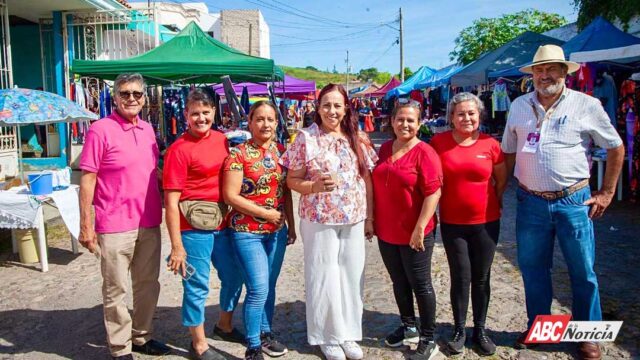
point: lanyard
(548, 114)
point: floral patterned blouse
(323, 153)
(262, 182)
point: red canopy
(392, 84)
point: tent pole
(20, 169)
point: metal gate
(8, 142)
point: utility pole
(401, 51)
(347, 75)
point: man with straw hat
(548, 139)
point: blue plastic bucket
(41, 184)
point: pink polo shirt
(125, 157)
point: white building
(245, 30)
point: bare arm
(429, 205)
(178, 255)
(601, 199)
(87, 236)
(288, 214)
(510, 162)
(368, 226)
(500, 180)
(297, 182)
(231, 187)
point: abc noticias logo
(552, 329)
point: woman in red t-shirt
(254, 185)
(475, 177)
(406, 185)
(192, 172)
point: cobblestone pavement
(58, 314)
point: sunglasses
(125, 95)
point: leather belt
(554, 195)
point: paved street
(58, 314)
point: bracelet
(368, 219)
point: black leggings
(410, 272)
(470, 250)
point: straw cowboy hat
(549, 54)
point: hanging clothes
(605, 90)
(500, 98)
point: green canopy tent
(192, 56)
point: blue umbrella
(25, 106)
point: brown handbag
(203, 215)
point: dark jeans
(410, 272)
(470, 250)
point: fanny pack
(203, 215)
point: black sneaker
(271, 346)
(209, 354)
(482, 342)
(253, 354)
(427, 350)
(456, 344)
(151, 347)
(521, 345)
(234, 336)
(403, 335)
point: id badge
(531, 145)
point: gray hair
(464, 97)
(127, 78)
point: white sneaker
(332, 352)
(352, 350)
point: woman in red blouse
(475, 177)
(406, 184)
(254, 185)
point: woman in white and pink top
(330, 165)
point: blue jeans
(260, 258)
(226, 263)
(199, 246)
(538, 223)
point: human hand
(291, 236)
(274, 216)
(599, 202)
(417, 239)
(177, 261)
(88, 239)
(323, 184)
(369, 230)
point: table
(19, 209)
(600, 160)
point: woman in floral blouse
(254, 185)
(330, 165)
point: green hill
(321, 78)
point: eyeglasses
(125, 95)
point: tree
(382, 78)
(407, 73)
(311, 68)
(368, 74)
(488, 34)
(623, 10)
(335, 71)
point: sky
(319, 33)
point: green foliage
(382, 78)
(623, 10)
(486, 34)
(335, 71)
(311, 68)
(407, 73)
(368, 74)
(321, 78)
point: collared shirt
(124, 156)
(262, 183)
(323, 153)
(562, 157)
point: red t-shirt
(400, 188)
(262, 183)
(468, 195)
(193, 166)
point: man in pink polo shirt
(119, 178)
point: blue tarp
(605, 41)
(406, 87)
(517, 51)
(511, 72)
(440, 77)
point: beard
(550, 90)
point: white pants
(334, 277)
